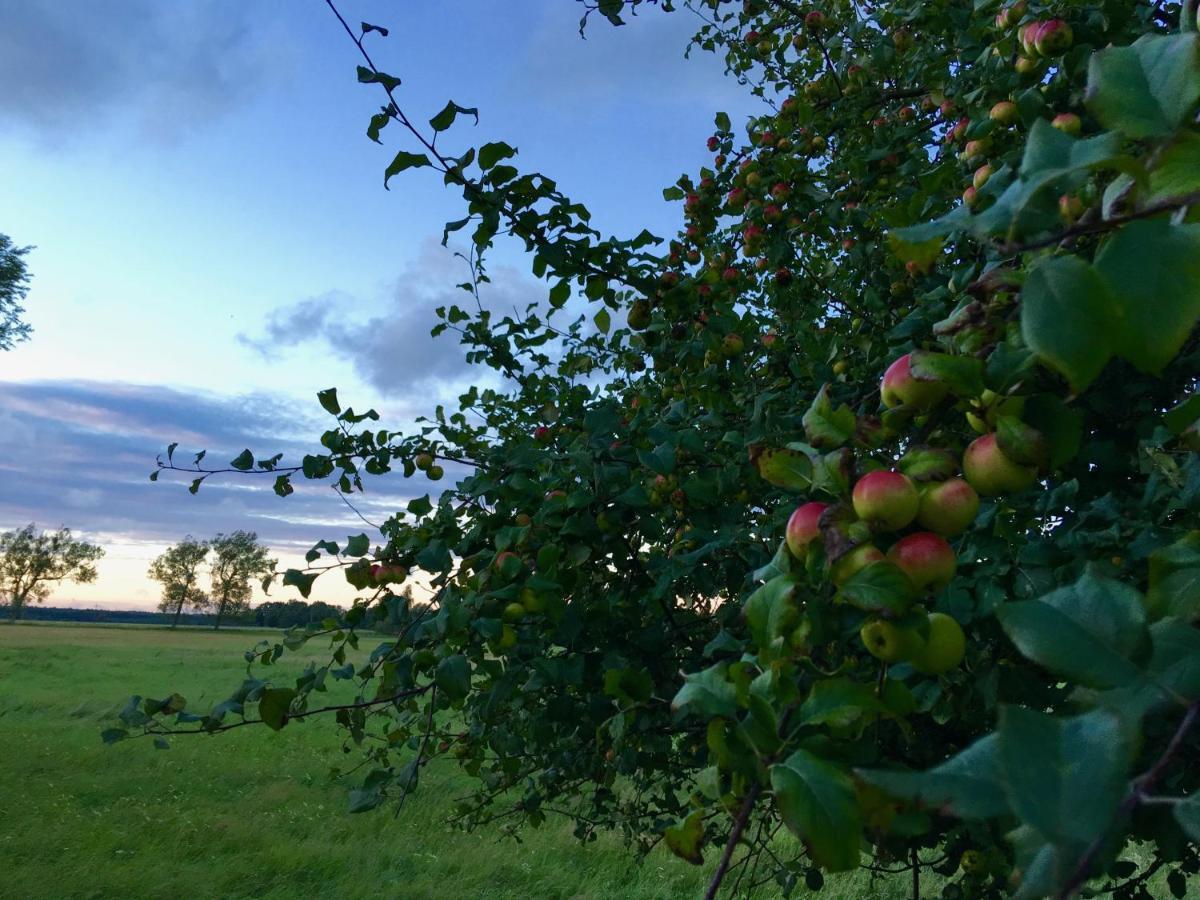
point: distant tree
(281, 614)
(238, 559)
(14, 285)
(32, 563)
(177, 570)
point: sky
(213, 243)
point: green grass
(249, 813)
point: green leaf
(1157, 305)
(492, 153)
(420, 506)
(1069, 319)
(453, 677)
(402, 161)
(112, 735)
(968, 786)
(1086, 631)
(964, 374)
(243, 462)
(273, 706)
(816, 801)
(449, 113)
(1177, 173)
(1073, 789)
(839, 702)
(881, 587)
(1020, 442)
(771, 611)
(707, 693)
(1184, 414)
(1146, 89)
(686, 839)
(1187, 813)
(603, 321)
(376, 125)
(722, 121)
(328, 399)
(367, 76)
(785, 468)
(1174, 588)
(825, 426)
(1059, 424)
(358, 545)
(364, 799)
(303, 581)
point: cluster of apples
(528, 602)
(425, 462)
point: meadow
(249, 813)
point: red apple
(926, 559)
(948, 507)
(992, 473)
(886, 499)
(1053, 38)
(1004, 113)
(901, 387)
(1067, 123)
(803, 528)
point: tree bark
(221, 604)
(182, 599)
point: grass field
(250, 813)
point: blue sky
(214, 244)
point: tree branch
(739, 826)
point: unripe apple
(507, 639)
(1068, 123)
(849, 563)
(944, 648)
(435, 473)
(513, 612)
(902, 39)
(1025, 65)
(981, 176)
(840, 367)
(901, 387)
(803, 527)
(531, 601)
(948, 507)
(1070, 208)
(1004, 113)
(423, 461)
(888, 642)
(992, 473)
(925, 558)
(975, 149)
(639, 314)
(1053, 38)
(886, 499)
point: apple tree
(863, 509)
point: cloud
(391, 349)
(67, 64)
(81, 453)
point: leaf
(364, 799)
(1020, 442)
(370, 76)
(367, 28)
(1157, 305)
(243, 462)
(402, 161)
(453, 677)
(967, 786)
(1073, 790)
(964, 374)
(1068, 318)
(1184, 414)
(303, 581)
(1177, 173)
(825, 426)
(603, 321)
(492, 153)
(358, 545)
(378, 122)
(1086, 631)
(1059, 424)
(1187, 813)
(112, 735)
(686, 839)
(328, 399)
(785, 468)
(817, 802)
(273, 706)
(879, 587)
(707, 693)
(1174, 586)
(420, 506)
(1146, 89)
(771, 611)
(449, 113)
(839, 702)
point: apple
(889, 642)
(901, 387)
(1025, 65)
(639, 314)
(531, 601)
(944, 648)
(507, 639)
(990, 472)
(886, 499)
(541, 434)
(423, 461)
(1004, 113)
(981, 176)
(803, 527)
(513, 612)
(970, 197)
(948, 507)
(435, 473)
(925, 558)
(503, 557)
(1067, 123)
(1053, 38)
(387, 573)
(814, 21)
(849, 563)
